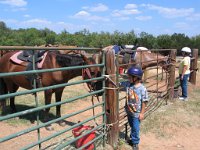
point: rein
(86, 71)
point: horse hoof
(62, 123)
(13, 111)
(49, 128)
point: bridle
(86, 72)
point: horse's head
(165, 63)
(153, 59)
(92, 72)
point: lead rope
(90, 90)
(108, 126)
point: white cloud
(194, 17)
(129, 9)
(43, 23)
(130, 6)
(116, 13)
(98, 8)
(14, 3)
(26, 16)
(68, 26)
(82, 14)
(124, 18)
(120, 13)
(37, 22)
(182, 26)
(170, 12)
(143, 18)
(87, 16)
(11, 21)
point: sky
(151, 16)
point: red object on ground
(121, 70)
(85, 139)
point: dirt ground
(176, 125)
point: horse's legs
(12, 88)
(3, 90)
(58, 95)
(47, 95)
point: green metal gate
(66, 142)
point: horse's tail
(3, 90)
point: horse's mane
(153, 54)
(67, 60)
(3, 52)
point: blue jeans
(135, 129)
(184, 85)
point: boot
(130, 142)
(135, 147)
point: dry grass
(28, 101)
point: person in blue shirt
(136, 100)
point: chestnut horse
(53, 60)
(143, 58)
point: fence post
(171, 79)
(111, 100)
(193, 66)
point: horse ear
(82, 53)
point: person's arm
(145, 100)
(185, 66)
(141, 116)
(183, 72)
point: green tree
(164, 41)
(146, 40)
(180, 40)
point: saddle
(27, 56)
(126, 51)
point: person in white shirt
(184, 71)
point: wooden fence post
(193, 66)
(171, 79)
(112, 111)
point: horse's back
(5, 61)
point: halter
(86, 71)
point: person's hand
(141, 116)
(182, 77)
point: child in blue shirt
(136, 100)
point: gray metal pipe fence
(39, 108)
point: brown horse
(53, 60)
(143, 58)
